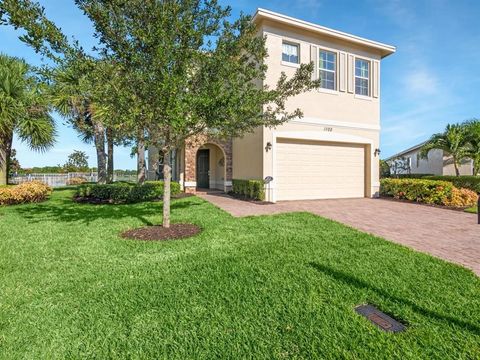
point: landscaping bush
(123, 192)
(249, 189)
(424, 191)
(428, 192)
(28, 192)
(462, 198)
(461, 182)
(76, 181)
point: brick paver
(447, 234)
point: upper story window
(328, 70)
(290, 53)
(362, 77)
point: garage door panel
(319, 170)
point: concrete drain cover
(381, 320)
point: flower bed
(28, 192)
(432, 192)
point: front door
(203, 168)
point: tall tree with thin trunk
(80, 79)
(472, 129)
(24, 110)
(187, 69)
(73, 96)
(192, 70)
(141, 163)
(453, 141)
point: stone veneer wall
(191, 147)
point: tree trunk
(110, 166)
(99, 134)
(167, 178)
(8, 155)
(476, 167)
(141, 167)
(455, 164)
(3, 161)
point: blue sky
(432, 80)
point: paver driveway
(447, 234)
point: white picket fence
(58, 180)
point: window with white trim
(362, 77)
(327, 64)
(290, 53)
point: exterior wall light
(268, 147)
(377, 152)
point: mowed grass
(473, 210)
(271, 287)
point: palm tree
(453, 142)
(24, 110)
(73, 97)
(472, 129)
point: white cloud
(421, 82)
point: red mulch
(159, 233)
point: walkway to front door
(447, 234)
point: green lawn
(473, 210)
(268, 287)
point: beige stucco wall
(248, 156)
(328, 115)
(323, 104)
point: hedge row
(28, 192)
(249, 189)
(123, 192)
(428, 192)
(461, 182)
(409, 176)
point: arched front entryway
(208, 164)
(210, 167)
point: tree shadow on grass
(66, 210)
(360, 284)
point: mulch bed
(242, 198)
(423, 204)
(159, 233)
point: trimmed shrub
(76, 181)
(29, 192)
(249, 189)
(419, 190)
(462, 198)
(123, 192)
(428, 192)
(461, 182)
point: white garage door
(319, 170)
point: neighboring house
(332, 152)
(437, 163)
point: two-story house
(332, 152)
